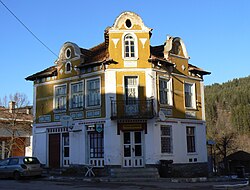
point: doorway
(133, 149)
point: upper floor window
(165, 91)
(60, 97)
(166, 139)
(77, 95)
(68, 53)
(190, 132)
(93, 92)
(131, 89)
(189, 95)
(68, 67)
(129, 46)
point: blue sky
(216, 33)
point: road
(41, 184)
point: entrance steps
(134, 173)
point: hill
(228, 113)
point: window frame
(192, 137)
(192, 97)
(87, 93)
(169, 95)
(135, 46)
(77, 93)
(96, 144)
(136, 88)
(66, 67)
(170, 137)
(54, 99)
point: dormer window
(68, 67)
(68, 53)
(129, 46)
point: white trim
(143, 41)
(135, 46)
(54, 102)
(133, 17)
(70, 94)
(65, 53)
(195, 140)
(170, 88)
(65, 67)
(124, 87)
(115, 41)
(202, 100)
(34, 103)
(122, 31)
(69, 79)
(185, 76)
(193, 90)
(86, 94)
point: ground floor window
(96, 144)
(190, 131)
(166, 139)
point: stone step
(134, 172)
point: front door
(54, 150)
(133, 149)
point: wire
(28, 29)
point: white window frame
(77, 94)
(135, 46)
(68, 57)
(170, 136)
(66, 71)
(135, 86)
(55, 98)
(86, 93)
(193, 96)
(194, 138)
(169, 91)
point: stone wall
(189, 170)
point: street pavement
(105, 183)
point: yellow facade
(176, 69)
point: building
(130, 104)
(15, 130)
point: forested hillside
(228, 115)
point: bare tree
(224, 134)
(15, 123)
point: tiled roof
(198, 70)
(51, 71)
(157, 51)
(20, 115)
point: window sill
(93, 107)
(167, 154)
(59, 111)
(191, 109)
(77, 109)
(192, 153)
(166, 105)
(130, 59)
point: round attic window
(68, 53)
(128, 23)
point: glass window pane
(138, 151)
(137, 136)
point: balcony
(136, 109)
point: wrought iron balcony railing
(135, 109)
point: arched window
(129, 46)
(68, 67)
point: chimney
(11, 106)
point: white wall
(179, 155)
(112, 144)
(77, 145)
(40, 144)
